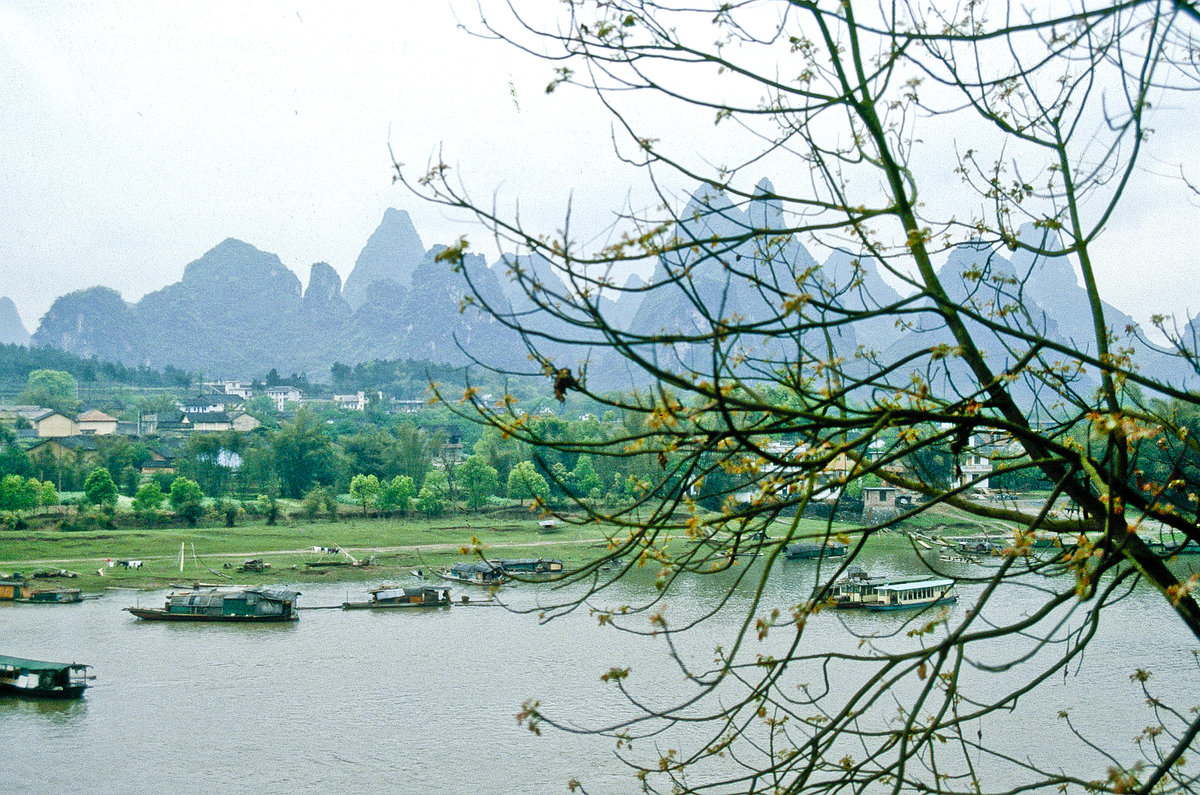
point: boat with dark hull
(808, 550)
(52, 596)
(40, 679)
(388, 597)
(529, 567)
(246, 605)
(477, 573)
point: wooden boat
(911, 594)
(387, 597)
(476, 573)
(808, 550)
(52, 596)
(246, 605)
(42, 679)
(527, 567)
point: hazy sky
(136, 136)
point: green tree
(49, 494)
(187, 499)
(478, 480)
(319, 498)
(364, 489)
(430, 502)
(526, 483)
(18, 493)
(53, 389)
(149, 498)
(303, 454)
(397, 495)
(99, 488)
(584, 478)
(414, 457)
(975, 155)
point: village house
(239, 389)
(354, 402)
(67, 448)
(51, 424)
(96, 423)
(208, 422)
(243, 422)
(209, 404)
(282, 395)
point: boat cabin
(856, 589)
(13, 589)
(978, 545)
(917, 593)
(410, 595)
(479, 572)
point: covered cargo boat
(245, 605)
(52, 596)
(808, 550)
(42, 679)
(529, 566)
(397, 596)
(478, 573)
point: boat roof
(38, 665)
(476, 566)
(277, 594)
(912, 585)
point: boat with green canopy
(42, 679)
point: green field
(393, 547)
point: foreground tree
(1002, 137)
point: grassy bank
(393, 547)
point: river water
(425, 701)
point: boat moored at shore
(52, 596)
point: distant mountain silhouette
(239, 311)
(12, 330)
(392, 253)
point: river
(425, 701)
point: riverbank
(296, 551)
